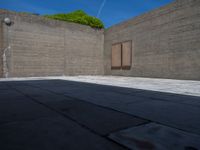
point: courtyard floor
(99, 113)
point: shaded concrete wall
(43, 47)
(166, 42)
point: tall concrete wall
(83, 51)
(43, 47)
(166, 42)
(1, 49)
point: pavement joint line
(118, 110)
(142, 90)
(111, 109)
(97, 105)
(122, 145)
(158, 99)
(118, 130)
(164, 100)
(181, 103)
(68, 117)
(24, 120)
(168, 84)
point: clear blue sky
(113, 12)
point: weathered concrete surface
(166, 42)
(1, 48)
(49, 134)
(84, 51)
(170, 109)
(101, 120)
(153, 136)
(1, 44)
(59, 114)
(183, 87)
(28, 120)
(44, 47)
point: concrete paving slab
(99, 119)
(176, 98)
(72, 86)
(3, 86)
(38, 93)
(184, 117)
(126, 94)
(161, 108)
(154, 136)
(156, 106)
(54, 133)
(88, 92)
(141, 103)
(11, 95)
(108, 120)
(22, 110)
(185, 87)
(26, 101)
(105, 99)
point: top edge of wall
(151, 14)
(31, 18)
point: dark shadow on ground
(59, 114)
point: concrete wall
(43, 47)
(166, 42)
(84, 49)
(1, 49)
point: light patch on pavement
(185, 87)
(153, 136)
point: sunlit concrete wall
(1, 49)
(165, 42)
(84, 49)
(44, 47)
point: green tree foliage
(80, 17)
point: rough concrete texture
(153, 136)
(44, 47)
(1, 47)
(61, 114)
(35, 118)
(165, 42)
(183, 87)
